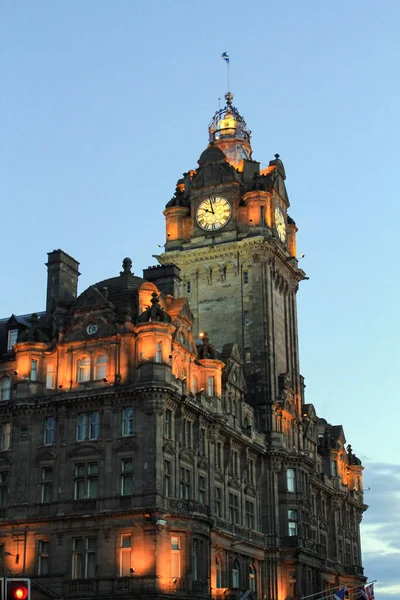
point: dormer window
(12, 339)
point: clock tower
(229, 232)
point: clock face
(280, 224)
(213, 213)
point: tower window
(247, 355)
(51, 377)
(12, 339)
(34, 369)
(245, 277)
(159, 352)
(291, 480)
(262, 215)
(188, 286)
(210, 386)
(246, 319)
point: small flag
(368, 592)
(340, 594)
(225, 56)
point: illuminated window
(34, 369)
(250, 514)
(86, 480)
(4, 476)
(126, 476)
(292, 522)
(51, 377)
(48, 431)
(5, 388)
(87, 426)
(218, 572)
(167, 478)
(43, 550)
(235, 574)
(291, 480)
(168, 424)
(125, 555)
(12, 339)
(5, 436)
(100, 367)
(292, 584)
(127, 421)
(46, 485)
(185, 483)
(246, 319)
(159, 352)
(245, 277)
(175, 556)
(234, 508)
(84, 558)
(210, 386)
(252, 578)
(84, 369)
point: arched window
(252, 578)
(5, 388)
(84, 369)
(218, 572)
(235, 574)
(100, 367)
(51, 376)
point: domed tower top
(228, 131)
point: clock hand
(212, 210)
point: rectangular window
(126, 476)
(188, 286)
(246, 319)
(87, 426)
(252, 470)
(175, 557)
(250, 514)
(43, 550)
(202, 441)
(168, 424)
(210, 386)
(167, 478)
(159, 352)
(5, 436)
(125, 555)
(292, 522)
(50, 377)
(291, 480)
(86, 480)
(12, 339)
(234, 508)
(247, 355)
(3, 488)
(262, 215)
(235, 463)
(34, 369)
(83, 558)
(187, 433)
(48, 430)
(127, 421)
(218, 455)
(334, 470)
(46, 485)
(185, 488)
(202, 489)
(218, 502)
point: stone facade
(155, 439)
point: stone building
(155, 440)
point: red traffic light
(17, 588)
(20, 592)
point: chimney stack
(62, 278)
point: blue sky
(105, 104)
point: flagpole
(328, 593)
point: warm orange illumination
(267, 170)
(228, 123)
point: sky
(103, 106)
